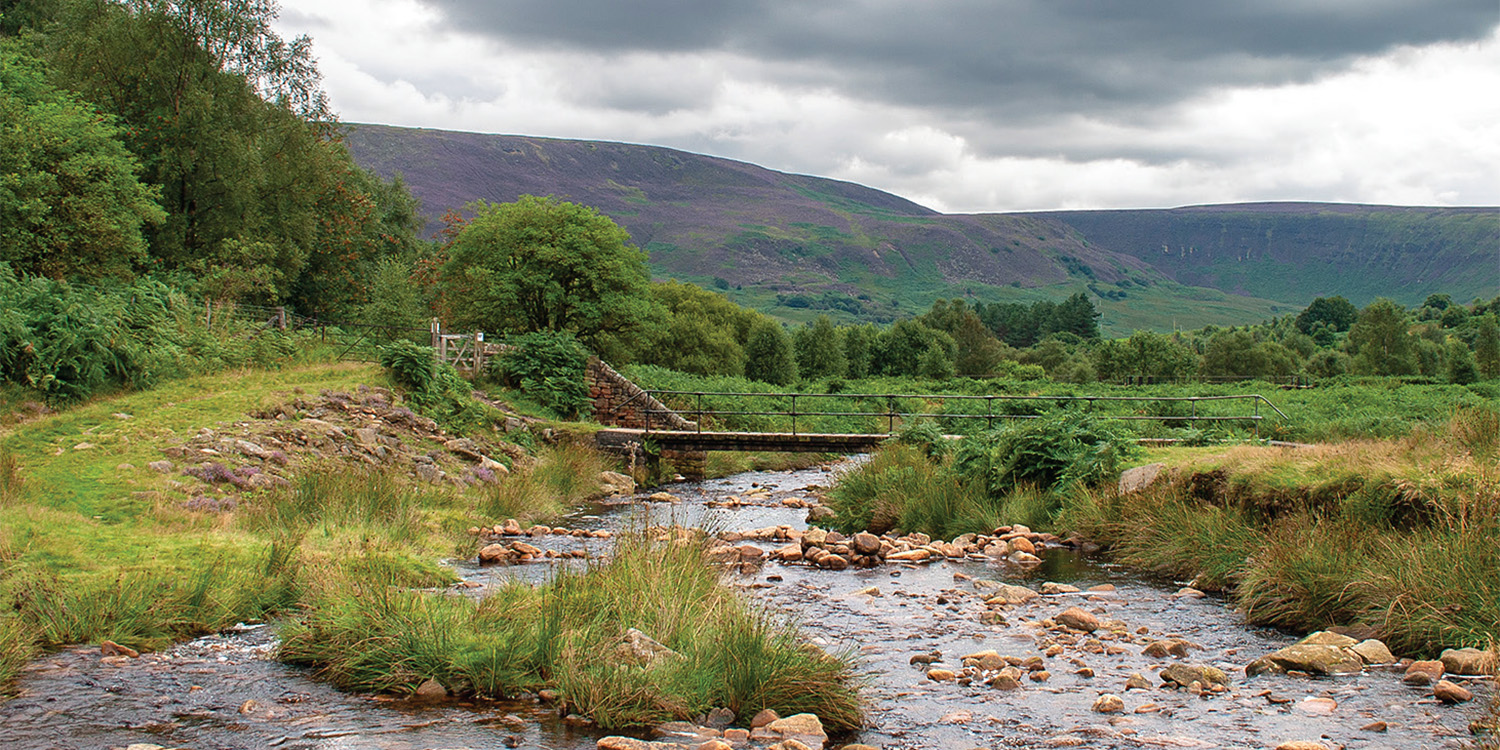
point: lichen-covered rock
(1469, 661)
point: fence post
(436, 328)
(280, 318)
(478, 354)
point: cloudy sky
(964, 105)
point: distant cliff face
(796, 245)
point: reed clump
(567, 635)
(1398, 535)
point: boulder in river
(1469, 661)
(1186, 674)
(1004, 593)
(1077, 618)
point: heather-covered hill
(797, 245)
(1297, 251)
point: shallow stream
(226, 691)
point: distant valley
(797, 246)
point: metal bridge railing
(892, 401)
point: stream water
(226, 691)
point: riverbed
(227, 691)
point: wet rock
(804, 728)
(1328, 638)
(719, 718)
(1186, 674)
(1376, 726)
(1109, 704)
(1318, 706)
(1423, 673)
(764, 717)
(1004, 593)
(1188, 592)
(928, 658)
(1025, 558)
(1301, 745)
(1052, 589)
(110, 648)
(833, 562)
(430, 690)
(866, 543)
(868, 591)
(1078, 618)
(1167, 647)
(715, 744)
(1022, 544)
(1139, 478)
(639, 649)
(914, 555)
(938, 674)
(1372, 651)
(957, 717)
(1137, 681)
(614, 484)
(250, 706)
(492, 554)
(627, 743)
(1315, 658)
(1450, 693)
(1005, 682)
(1469, 661)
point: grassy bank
(97, 546)
(1337, 409)
(1397, 534)
(366, 635)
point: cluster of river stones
(1067, 635)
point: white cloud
(1413, 126)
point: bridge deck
(802, 442)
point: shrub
(550, 367)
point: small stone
(1469, 661)
(249, 706)
(1450, 693)
(1004, 593)
(1188, 592)
(766, 716)
(1423, 673)
(430, 690)
(1078, 618)
(1317, 706)
(1137, 681)
(866, 543)
(957, 717)
(1005, 682)
(1109, 704)
(1052, 589)
(1301, 745)
(1373, 652)
(715, 744)
(1377, 726)
(1186, 674)
(868, 591)
(938, 674)
(110, 648)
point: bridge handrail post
(989, 412)
(700, 413)
(794, 414)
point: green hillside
(797, 246)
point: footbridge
(682, 426)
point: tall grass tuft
(565, 634)
(374, 502)
(566, 475)
(12, 484)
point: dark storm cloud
(988, 59)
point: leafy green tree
(230, 124)
(858, 341)
(1487, 346)
(399, 306)
(704, 332)
(820, 354)
(979, 353)
(898, 349)
(935, 363)
(1379, 342)
(71, 205)
(768, 354)
(1146, 355)
(1076, 315)
(550, 366)
(541, 264)
(1335, 313)
(1462, 368)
